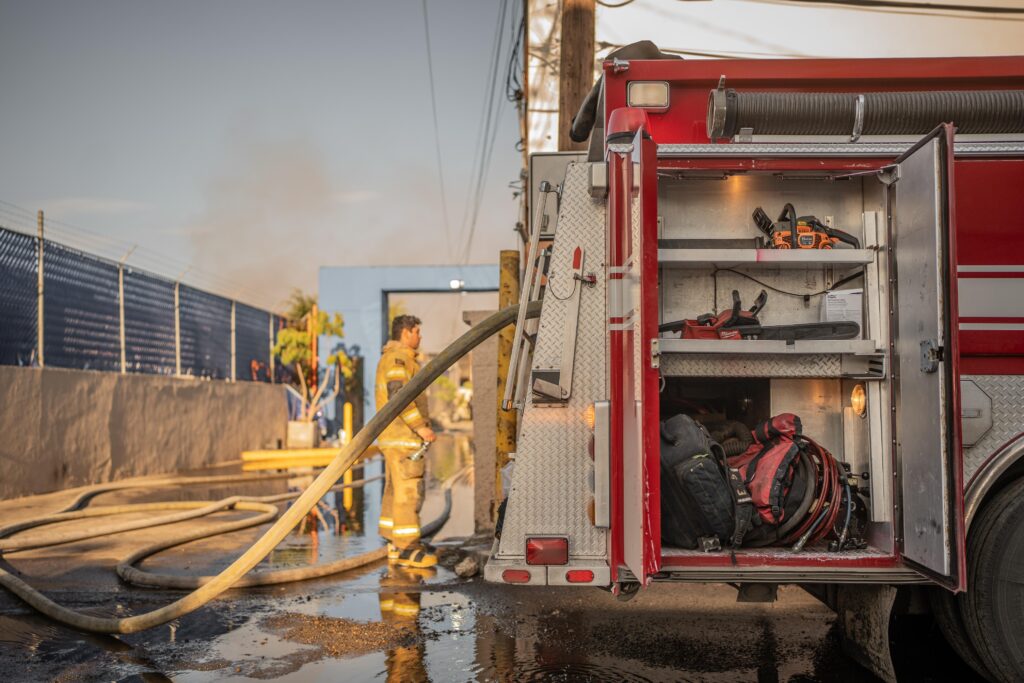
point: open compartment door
(633, 374)
(926, 402)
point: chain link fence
(101, 315)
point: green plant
(295, 348)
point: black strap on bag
(742, 503)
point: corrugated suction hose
(231, 576)
(856, 114)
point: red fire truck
(922, 161)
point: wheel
(946, 610)
(993, 606)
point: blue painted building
(360, 294)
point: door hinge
(655, 354)
(889, 174)
(931, 355)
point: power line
(437, 133)
(489, 133)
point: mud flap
(864, 620)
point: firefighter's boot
(415, 556)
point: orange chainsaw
(804, 232)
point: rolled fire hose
(289, 518)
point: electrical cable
(437, 133)
(801, 295)
(287, 521)
(491, 126)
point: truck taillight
(515, 576)
(579, 576)
(547, 550)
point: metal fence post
(233, 337)
(120, 305)
(39, 293)
(177, 330)
(271, 364)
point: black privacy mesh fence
(18, 287)
(205, 334)
(82, 318)
(252, 343)
(148, 324)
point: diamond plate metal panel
(1007, 394)
(550, 487)
(734, 365)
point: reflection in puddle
(383, 623)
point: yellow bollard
(346, 424)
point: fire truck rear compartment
(751, 380)
(824, 407)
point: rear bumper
(547, 576)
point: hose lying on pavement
(231, 575)
(197, 509)
(140, 577)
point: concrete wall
(63, 428)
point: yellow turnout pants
(403, 497)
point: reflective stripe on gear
(407, 531)
(416, 556)
(385, 522)
(404, 444)
(406, 610)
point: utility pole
(575, 66)
(39, 293)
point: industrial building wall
(64, 428)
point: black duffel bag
(704, 503)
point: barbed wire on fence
(23, 220)
(99, 313)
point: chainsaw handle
(791, 212)
(673, 326)
(759, 302)
(843, 237)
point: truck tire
(946, 611)
(993, 606)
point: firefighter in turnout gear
(403, 491)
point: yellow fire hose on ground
(208, 588)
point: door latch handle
(931, 355)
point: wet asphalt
(384, 623)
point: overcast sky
(260, 140)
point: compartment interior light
(859, 400)
(648, 95)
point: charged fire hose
(231, 575)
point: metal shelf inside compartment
(729, 258)
(767, 346)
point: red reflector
(547, 551)
(515, 576)
(579, 576)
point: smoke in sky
(276, 212)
